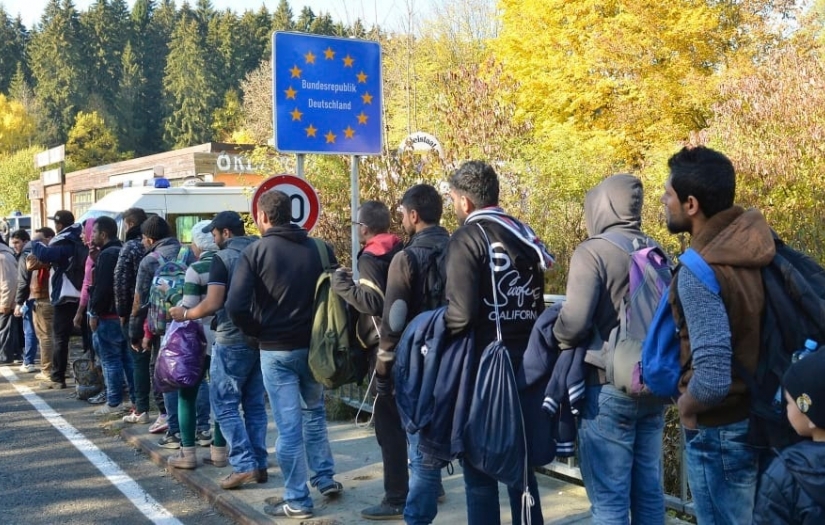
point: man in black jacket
(421, 208)
(367, 298)
(107, 335)
(519, 262)
(271, 299)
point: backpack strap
(701, 269)
(624, 242)
(323, 253)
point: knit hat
(155, 228)
(202, 239)
(803, 381)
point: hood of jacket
(290, 232)
(133, 233)
(804, 461)
(382, 244)
(5, 248)
(615, 203)
(69, 233)
(736, 237)
(167, 247)
(240, 243)
(430, 237)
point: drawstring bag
(495, 441)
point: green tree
(154, 25)
(57, 63)
(13, 38)
(323, 24)
(189, 92)
(106, 28)
(305, 20)
(131, 122)
(16, 171)
(254, 39)
(91, 142)
(227, 119)
(283, 18)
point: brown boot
(186, 458)
(217, 457)
(236, 479)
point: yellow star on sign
(296, 73)
(362, 78)
(329, 54)
(309, 57)
(362, 118)
(366, 98)
(290, 93)
(296, 115)
(311, 130)
(330, 136)
(349, 132)
(348, 60)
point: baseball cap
(803, 381)
(225, 219)
(64, 217)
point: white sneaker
(134, 417)
(106, 410)
(160, 426)
(28, 369)
(42, 376)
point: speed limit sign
(305, 204)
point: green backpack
(332, 346)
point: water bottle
(809, 348)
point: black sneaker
(170, 441)
(333, 488)
(286, 510)
(384, 511)
(99, 399)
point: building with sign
(76, 191)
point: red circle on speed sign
(306, 207)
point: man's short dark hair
(707, 175)
(46, 232)
(108, 226)
(155, 228)
(375, 216)
(426, 201)
(477, 181)
(21, 235)
(277, 206)
(134, 215)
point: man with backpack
(33, 283)
(409, 291)
(161, 247)
(235, 367)
(477, 303)
(66, 254)
(271, 299)
(719, 331)
(620, 436)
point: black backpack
(794, 311)
(428, 264)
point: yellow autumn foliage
(16, 126)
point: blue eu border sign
(326, 94)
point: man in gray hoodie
(620, 437)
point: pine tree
(12, 47)
(58, 66)
(323, 25)
(282, 18)
(154, 35)
(188, 91)
(107, 29)
(305, 20)
(131, 118)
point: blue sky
(389, 14)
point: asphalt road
(58, 464)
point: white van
(182, 206)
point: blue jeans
(170, 399)
(297, 401)
(235, 371)
(722, 473)
(29, 337)
(483, 508)
(116, 357)
(425, 480)
(620, 456)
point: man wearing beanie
(792, 489)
